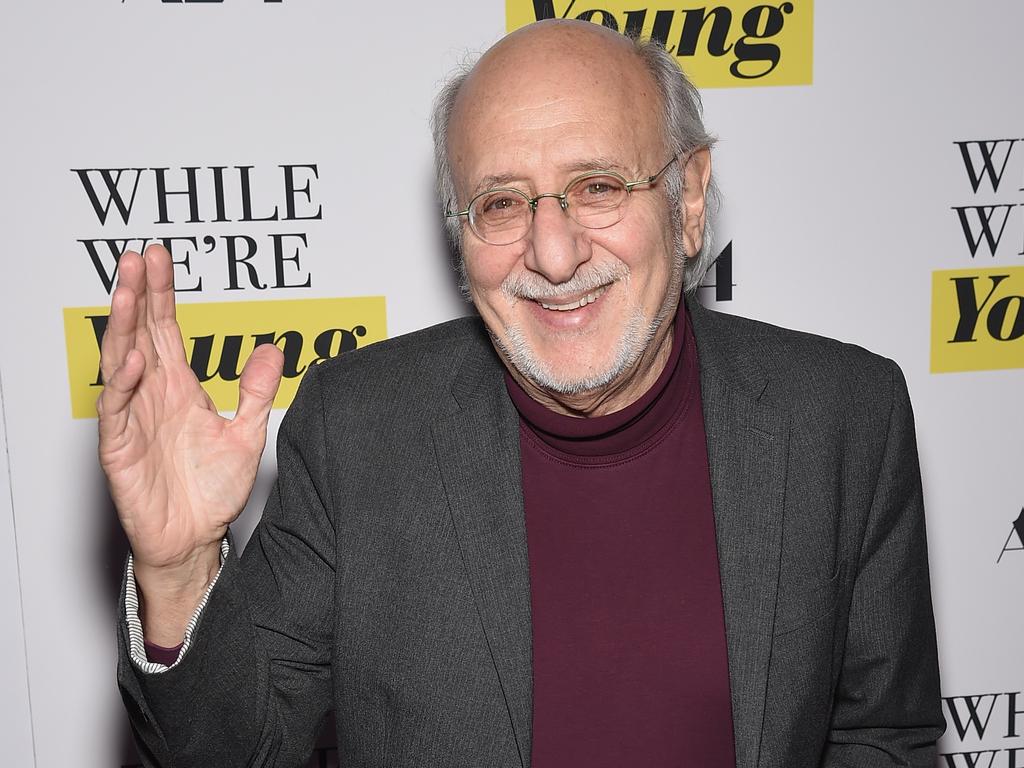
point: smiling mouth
(588, 298)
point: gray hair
(682, 126)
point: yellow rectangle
(219, 337)
(977, 319)
(728, 44)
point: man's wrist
(137, 643)
(168, 595)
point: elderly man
(602, 527)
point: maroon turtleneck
(629, 652)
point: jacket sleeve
(256, 682)
(887, 703)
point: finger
(258, 386)
(160, 311)
(119, 335)
(131, 276)
(143, 339)
(112, 405)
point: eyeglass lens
(503, 216)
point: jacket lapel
(748, 441)
(478, 453)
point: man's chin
(552, 383)
(561, 372)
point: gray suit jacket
(389, 579)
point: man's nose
(557, 248)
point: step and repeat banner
(871, 161)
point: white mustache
(536, 287)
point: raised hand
(179, 473)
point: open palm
(179, 473)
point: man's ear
(696, 177)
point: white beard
(635, 338)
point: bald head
(561, 31)
(553, 42)
(550, 51)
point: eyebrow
(495, 180)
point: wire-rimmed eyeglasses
(595, 200)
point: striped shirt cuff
(136, 646)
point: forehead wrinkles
(516, 125)
(496, 92)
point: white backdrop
(839, 203)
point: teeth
(590, 298)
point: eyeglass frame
(563, 198)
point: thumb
(258, 385)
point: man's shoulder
(462, 334)
(787, 363)
(412, 371)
